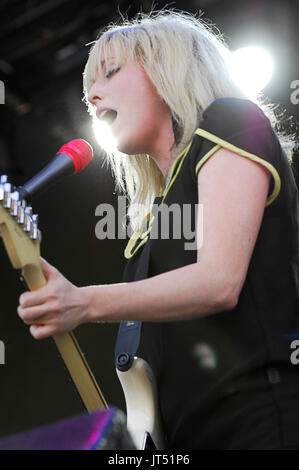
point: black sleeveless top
(226, 380)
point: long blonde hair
(189, 65)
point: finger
(47, 268)
(37, 314)
(30, 299)
(41, 331)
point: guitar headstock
(18, 227)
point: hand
(57, 307)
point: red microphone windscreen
(79, 151)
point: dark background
(42, 56)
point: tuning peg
(27, 224)
(3, 179)
(7, 195)
(14, 207)
(5, 190)
(15, 196)
(39, 236)
(34, 228)
(7, 187)
(35, 218)
(15, 203)
(27, 220)
(21, 212)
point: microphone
(71, 158)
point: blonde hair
(189, 65)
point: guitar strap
(127, 343)
(129, 332)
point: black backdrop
(42, 55)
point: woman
(218, 310)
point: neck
(164, 149)
(177, 151)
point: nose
(94, 94)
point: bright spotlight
(104, 136)
(252, 69)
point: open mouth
(108, 116)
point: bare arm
(176, 295)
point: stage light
(103, 135)
(252, 69)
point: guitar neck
(70, 351)
(21, 237)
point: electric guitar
(22, 238)
(143, 416)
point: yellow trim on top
(175, 169)
(222, 143)
(135, 237)
(178, 162)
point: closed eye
(111, 72)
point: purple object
(100, 430)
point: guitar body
(143, 416)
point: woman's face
(143, 119)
